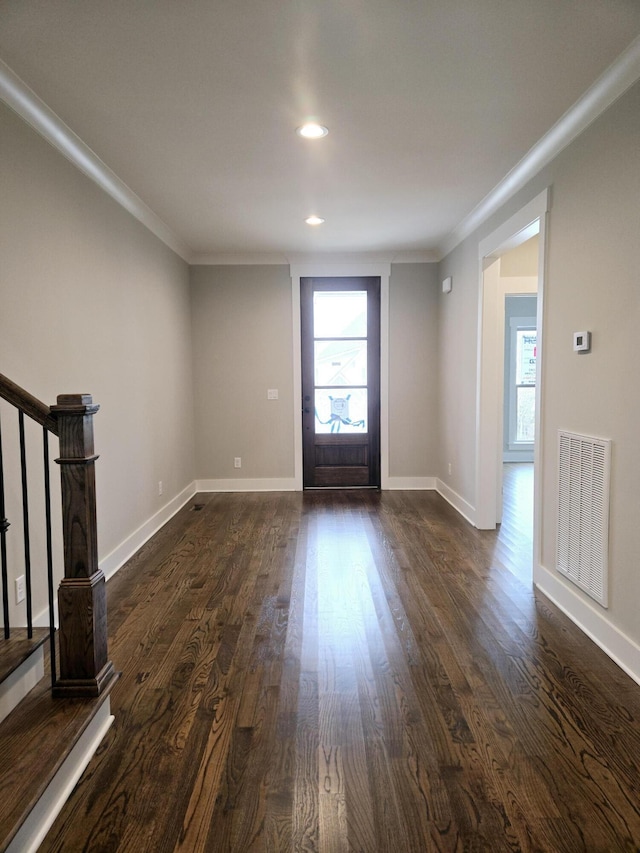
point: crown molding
(417, 257)
(426, 256)
(266, 258)
(15, 93)
(338, 258)
(615, 81)
(223, 259)
(332, 266)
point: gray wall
(593, 258)
(242, 346)
(413, 375)
(94, 303)
(457, 365)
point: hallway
(514, 545)
(350, 671)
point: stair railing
(84, 667)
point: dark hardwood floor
(357, 671)
(514, 546)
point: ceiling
(429, 103)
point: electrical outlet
(159, 487)
(20, 592)
(449, 467)
(237, 462)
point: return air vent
(583, 512)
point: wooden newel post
(84, 667)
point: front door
(340, 325)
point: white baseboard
(32, 833)
(268, 484)
(590, 619)
(16, 686)
(411, 483)
(463, 507)
(119, 556)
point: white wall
(92, 302)
(591, 282)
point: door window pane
(341, 362)
(341, 410)
(340, 314)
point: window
(522, 394)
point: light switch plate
(582, 341)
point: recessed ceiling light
(314, 220)
(311, 130)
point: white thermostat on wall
(582, 341)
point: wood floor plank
(352, 671)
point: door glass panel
(342, 362)
(340, 314)
(341, 410)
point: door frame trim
(529, 219)
(525, 223)
(341, 270)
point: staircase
(49, 728)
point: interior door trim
(339, 270)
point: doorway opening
(520, 239)
(520, 374)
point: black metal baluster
(4, 526)
(47, 506)
(25, 519)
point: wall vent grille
(583, 512)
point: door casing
(529, 220)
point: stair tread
(35, 740)
(18, 648)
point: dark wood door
(340, 324)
